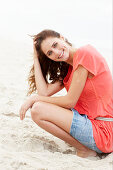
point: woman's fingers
(34, 42)
(25, 107)
(22, 113)
(34, 45)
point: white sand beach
(24, 145)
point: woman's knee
(36, 110)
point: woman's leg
(57, 121)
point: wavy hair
(51, 70)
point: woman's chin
(66, 58)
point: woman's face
(55, 48)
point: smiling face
(55, 48)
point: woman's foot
(102, 155)
(85, 154)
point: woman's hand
(35, 51)
(27, 105)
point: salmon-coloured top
(96, 99)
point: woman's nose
(56, 51)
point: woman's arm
(43, 88)
(69, 100)
(41, 84)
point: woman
(88, 81)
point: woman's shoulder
(87, 48)
(90, 58)
(83, 51)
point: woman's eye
(55, 44)
(50, 52)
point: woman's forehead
(48, 42)
(50, 39)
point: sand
(24, 145)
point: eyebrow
(51, 46)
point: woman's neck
(71, 54)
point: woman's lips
(62, 53)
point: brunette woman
(84, 116)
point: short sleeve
(87, 57)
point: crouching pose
(84, 116)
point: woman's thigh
(49, 112)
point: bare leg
(57, 121)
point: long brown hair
(51, 70)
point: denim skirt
(81, 129)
